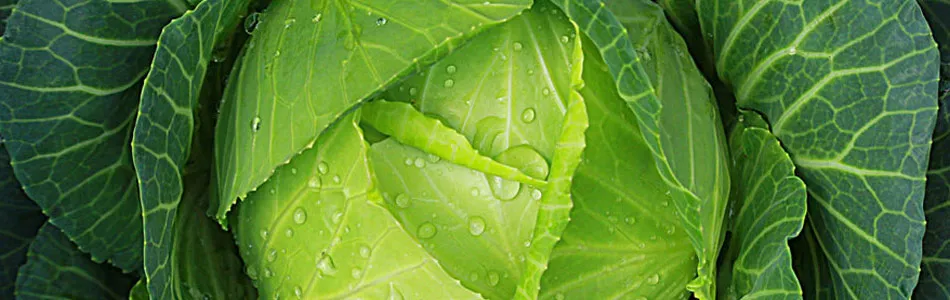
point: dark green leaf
(624, 240)
(21, 220)
(186, 255)
(849, 89)
(309, 62)
(139, 291)
(935, 266)
(70, 78)
(769, 203)
(6, 7)
(56, 269)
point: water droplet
(268, 273)
(476, 226)
(450, 69)
(325, 264)
(336, 179)
(272, 255)
(356, 273)
(527, 243)
(528, 115)
(300, 216)
(432, 158)
(503, 189)
(289, 22)
(317, 18)
(665, 203)
(475, 192)
(402, 201)
(536, 194)
(298, 292)
(419, 163)
(408, 161)
(525, 159)
(322, 167)
(426, 231)
(336, 217)
(381, 21)
(250, 23)
(630, 220)
(314, 182)
(792, 51)
(293, 170)
(449, 83)
(264, 233)
(256, 124)
(545, 91)
(289, 232)
(493, 278)
(413, 91)
(273, 191)
(565, 39)
(252, 272)
(654, 279)
(517, 46)
(364, 251)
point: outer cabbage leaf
(848, 88)
(21, 221)
(935, 266)
(533, 122)
(624, 239)
(6, 7)
(769, 203)
(56, 269)
(186, 256)
(71, 77)
(309, 62)
(318, 229)
(661, 84)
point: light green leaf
(654, 75)
(624, 239)
(318, 230)
(769, 203)
(56, 269)
(935, 266)
(21, 220)
(404, 123)
(510, 91)
(309, 62)
(176, 264)
(70, 78)
(849, 89)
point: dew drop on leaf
(272, 255)
(450, 69)
(630, 220)
(536, 194)
(268, 273)
(517, 46)
(653, 279)
(314, 182)
(476, 226)
(323, 168)
(256, 124)
(528, 115)
(565, 39)
(381, 21)
(493, 278)
(503, 189)
(298, 292)
(402, 201)
(545, 91)
(317, 18)
(325, 265)
(364, 251)
(336, 179)
(300, 215)
(250, 23)
(475, 192)
(289, 232)
(252, 272)
(426, 231)
(449, 83)
(419, 162)
(336, 217)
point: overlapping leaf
(185, 255)
(317, 229)
(21, 221)
(654, 75)
(70, 78)
(624, 240)
(6, 7)
(311, 61)
(510, 92)
(769, 203)
(56, 269)
(935, 266)
(849, 89)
